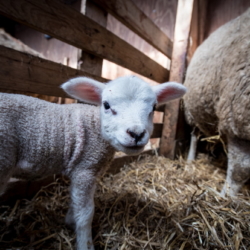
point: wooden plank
(157, 132)
(70, 26)
(165, 20)
(177, 71)
(132, 17)
(23, 72)
(52, 48)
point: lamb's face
(127, 114)
(127, 105)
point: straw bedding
(154, 203)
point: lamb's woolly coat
(39, 138)
(218, 80)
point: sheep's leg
(82, 208)
(238, 170)
(193, 147)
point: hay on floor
(154, 203)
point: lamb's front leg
(82, 208)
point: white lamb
(218, 79)
(38, 138)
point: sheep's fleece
(218, 100)
(38, 138)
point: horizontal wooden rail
(132, 17)
(157, 132)
(66, 24)
(23, 72)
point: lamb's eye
(106, 105)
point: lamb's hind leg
(238, 169)
(81, 209)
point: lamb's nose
(136, 136)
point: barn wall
(53, 49)
(163, 13)
(220, 12)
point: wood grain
(177, 71)
(24, 72)
(132, 17)
(162, 13)
(58, 20)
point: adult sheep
(38, 138)
(218, 101)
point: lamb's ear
(168, 91)
(84, 89)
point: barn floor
(154, 203)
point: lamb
(39, 138)
(218, 79)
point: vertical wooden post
(86, 61)
(177, 71)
